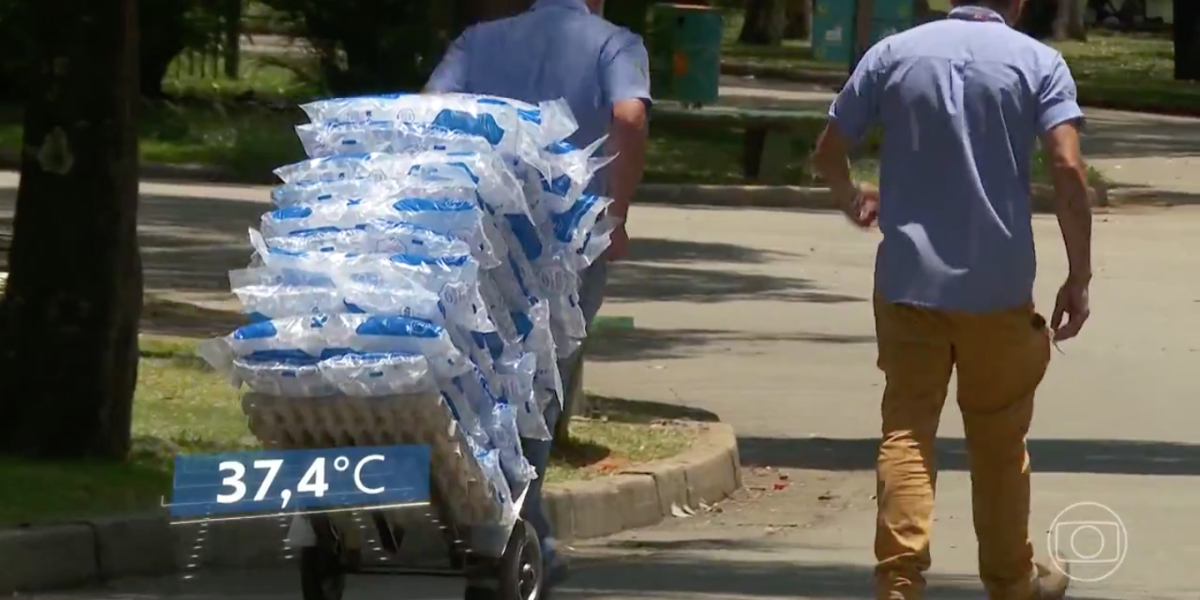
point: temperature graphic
(313, 481)
(207, 485)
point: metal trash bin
(685, 53)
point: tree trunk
(233, 38)
(69, 318)
(1068, 21)
(764, 22)
(799, 20)
(1187, 40)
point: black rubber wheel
(322, 575)
(520, 573)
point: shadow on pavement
(1130, 135)
(631, 345)
(651, 282)
(1138, 195)
(682, 251)
(765, 573)
(1109, 457)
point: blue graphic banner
(275, 481)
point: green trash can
(833, 31)
(685, 53)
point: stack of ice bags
(431, 246)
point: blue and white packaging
(377, 236)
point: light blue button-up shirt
(557, 49)
(962, 103)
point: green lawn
(183, 406)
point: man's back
(962, 102)
(556, 50)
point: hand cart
(498, 562)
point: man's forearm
(830, 159)
(1074, 208)
(628, 142)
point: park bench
(767, 147)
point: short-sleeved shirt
(557, 49)
(961, 103)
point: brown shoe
(1051, 583)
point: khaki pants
(1001, 358)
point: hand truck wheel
(322, 574)
(519, 573)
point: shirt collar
(976, 13)
(577, 5)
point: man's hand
(860, 205)
(618, 248)
(1072, 302)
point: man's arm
(853, 111)
(1059, 119)
(450, 76)
(1073, 198)
(626, 82)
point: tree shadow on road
(1108, 457)
(640, 282)
(1138, 136)
(1145, 196)
(760, 570)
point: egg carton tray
(467, 496)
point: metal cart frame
(517, 574)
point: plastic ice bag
(331, 139)
(295, 374)
(378, 236)
(505, 435)
(377, 373)
(448, 216)
(455, 279)
(504, 123)
(374, 166)
(515, 380)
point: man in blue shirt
(562, 49)
(962, 103)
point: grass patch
(247, 141)
(792, 54)
(1132, 71)
(183, 406)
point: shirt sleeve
(1058, 97)
(450, 76)
(857, 106)
(625, 69)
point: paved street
(762, 317)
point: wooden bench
(769, 134)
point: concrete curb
(66, 555)
(832, 79)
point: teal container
(685, 53)
(899, 11)
(833, 31)
(834, 24)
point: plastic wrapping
(417, 283)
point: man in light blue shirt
(562, 49)
(962, 103)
